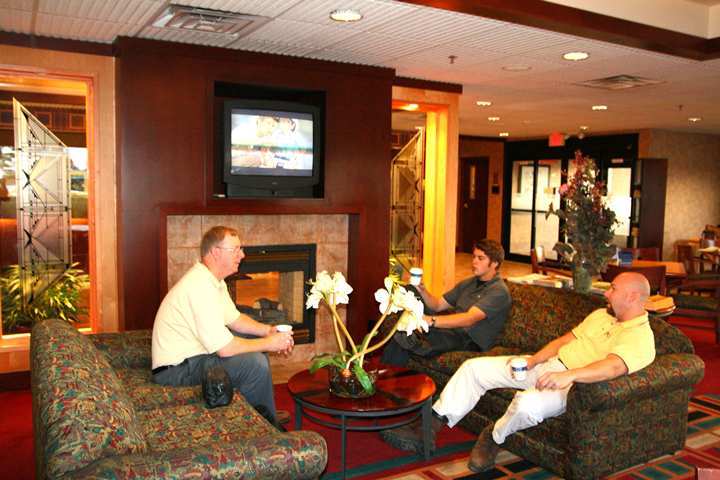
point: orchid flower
(394, 298)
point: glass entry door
(535, 185)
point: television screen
(268, 142)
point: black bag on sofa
(216, 387)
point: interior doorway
(473, 201)
(61, 104)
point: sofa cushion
(541, 314)
(187, 425)
(146, 395)
(131, 349)
(83, 409)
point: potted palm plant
(62, 299)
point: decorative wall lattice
(407, 200)
(43, 204)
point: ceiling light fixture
(599, 107)
(694, 119)
(584, 128)
(517, 68)
(504, 134)
(410, 107)
(345, 15)
(493, 119)
(575, 56)
(483, 103)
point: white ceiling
(417, 42)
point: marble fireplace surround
(328, 231)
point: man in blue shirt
(477, 306)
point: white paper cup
(519, 368)
(284, 328)
(416, 276)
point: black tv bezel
(245, 185)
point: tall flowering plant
(589, 223)
(394, 298)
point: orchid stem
(338, 323)
(374, 347)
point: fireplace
(271, 286)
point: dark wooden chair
(644, 253)
(540, 264)
(699, 299)
(655, 276)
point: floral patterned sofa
(96, 414)
(608, 426)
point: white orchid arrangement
(394, 298)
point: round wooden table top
(396, 388)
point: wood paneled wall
(166, 149)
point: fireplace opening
(271, 286)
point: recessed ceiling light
(516, 68)
(694, 119)
(576, 56)
(599, 107)
(346, 15)
(493, 119)
(483, 103)
(410, 107)
(504, 134)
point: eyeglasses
(234, 250)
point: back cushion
(83, 411)
(541, 314)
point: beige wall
(99, 73)
(495, 151)
(693, 186)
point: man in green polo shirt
(609, 343)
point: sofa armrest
(294, 455)
(131, 349)
(667, 373)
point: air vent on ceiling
(619, 82)
(208, 21)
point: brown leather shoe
(482, 456)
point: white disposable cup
(284, 328)
(519, 368)
(416, 276)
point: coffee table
(399, 391)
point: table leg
(343, 428)
(298, 415)
(427, 427)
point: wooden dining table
(673, 270)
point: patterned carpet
(702, 449)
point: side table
(398, 391)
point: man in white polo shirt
(198, 325)
(607, 344)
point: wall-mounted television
(272, 148)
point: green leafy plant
(60, 300)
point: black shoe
(262, 410)
(410, 437)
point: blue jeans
(249, 374)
